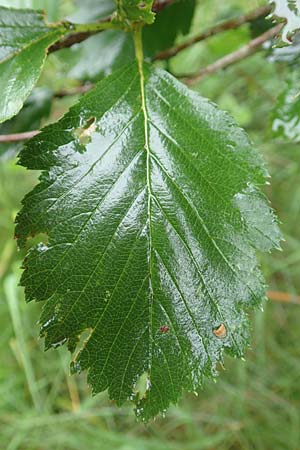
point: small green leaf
(150, 198)
(135, 11)
(286, 115)
(288, 11)
(24, 40)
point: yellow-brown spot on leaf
(221, 331)
(84, 133)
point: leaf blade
(151, 242)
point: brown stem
(18, 136)
(158, 5)
(232, 58)
(60, 94)
(70, 40)
(283, 297)
(230, 24)
(74, 91)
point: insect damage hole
(142, 386)
(221, 331)
(76, 344)
(83, 134)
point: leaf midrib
(139, 56)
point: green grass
(253, 406)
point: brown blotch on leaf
(164, 329)
(221, 331)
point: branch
(283, 297)
(78, 90)
(234, 57)
(18, 136)
(230, 24)
(83, 32)
(71, 40)
(158, 5)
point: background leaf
(150, 247)
(286, 115)
(24, 39)
(91, 10)
(171, 22)
(288, 54)
(289, 11)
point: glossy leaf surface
(150, 199)
(286, 116)
(24, 40)
(289, 11)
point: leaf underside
(286, 114)
(150, 199)
(288, 54)
(288, 11)
(24, 40)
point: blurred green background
(254, 404)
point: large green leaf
(288, 11)
(24, 40)
(150, 199)
(286, 115)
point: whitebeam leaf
(150, 198)
(24, 40)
